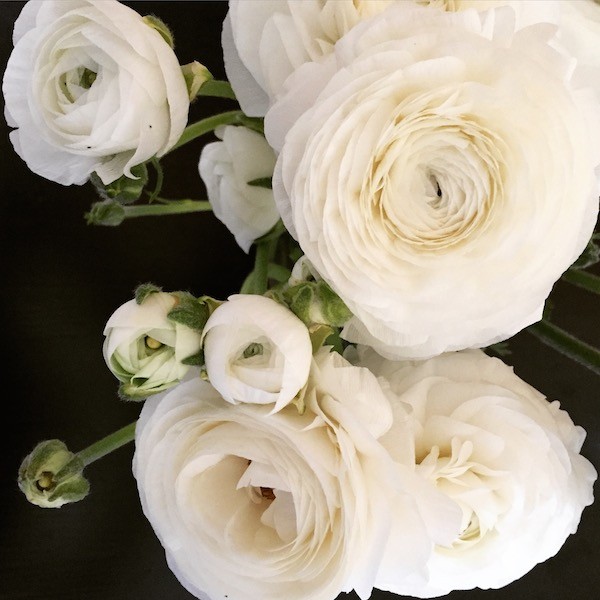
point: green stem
(567, 344)
(159, 179)
(195, 130)
(583, 279)
(216, 89)
(108, 444)
(174, 207)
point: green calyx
(51, 476)
(124, 190)
(314, 302)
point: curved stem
(195, 130)
(159, 179)
(174, 207)
(567, 344)
(107, 444)
(583, 279)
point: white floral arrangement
(412, 179)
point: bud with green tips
(195, 75)
(52, 476)
(107, 212)
(314, 302)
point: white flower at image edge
(498, 448)
(254, 504)
(264, 42)
(256, 351)
(423, 169)
(90, 87)
(226, 168)
(144, 349)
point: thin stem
(583, 279)
(172, 208)
(159, 179)
(567, 344)
(108, 444)
(195, 130)
(216, 89)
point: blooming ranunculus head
(91, 87)
(254, 504)
(227, 168)
(256, 351)
(424, 168)
(509, 458)
(145, 349)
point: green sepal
(262, 182)
(590, 256)
(316, 302)
(124, 190)
(332, 306)
(319, 334)
(189, 311)
(131, 393)
(300, 299)
(159, 25)
(107, 212)
(195, 360)
(196, 76)
(143, 290)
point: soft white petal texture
(266, 41)
(226, 167)
(439, 170)
(493, 444)
(90, 87)
(147, 370)
(250, 504)
(256, 351)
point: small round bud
(52, 476)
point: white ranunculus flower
(90, 87)
(265, 41)
(254, 504)
(505, 455)
(226, 167)
(256, 351)
(144, 349)
(424, 168)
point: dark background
(61, 279)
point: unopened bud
(107, 212)
(124, 190)
(196, 75)
(52, 476)
(315, 302)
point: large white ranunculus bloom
(91, 87)
(265, 41)
(256, 351)
(226, 167)
(509, 458)
(145, 349)
(438, 171)
(254, 504)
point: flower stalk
(107, 444)
(583, 279)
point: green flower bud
(195, 75)
(124, 190)
(316, 302)
(108, 212)
(52, 476)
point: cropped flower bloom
(256, 351)
(424, 169)
(91, 87)
(264, 42)
(254, 504)
(508, 457)
(227, 168)
(144, 349)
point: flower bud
(149, 350)
(124, 190)
(314, 302)
(52, 476)
(107, 212)
(196, 75)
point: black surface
(61, 279)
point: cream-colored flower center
(433, 180)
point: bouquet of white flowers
(406, 183)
